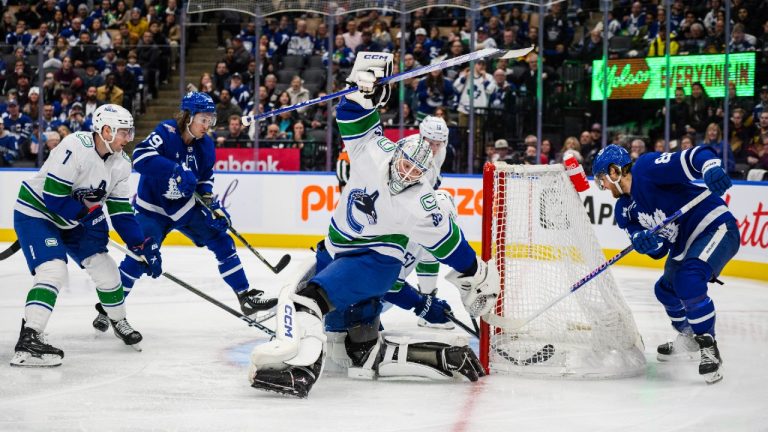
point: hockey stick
(251, 322)
(515, 324)
(276, 269)
(545, 353)
(476, 55)
(12, 249)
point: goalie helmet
(434, 128)
(114, 116)
(412, 159)
(610, 155)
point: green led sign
(646, 78)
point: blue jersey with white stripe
(155, 159)
(662, 183)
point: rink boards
(289, 210)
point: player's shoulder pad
(79, 140)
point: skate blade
(678, 358)
(25, 359)
(445, 326)
(136, 346)
(713, 378)
(281, 390)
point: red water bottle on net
(576, 173)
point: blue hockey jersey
(662, 183)
(157, 156)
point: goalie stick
(476, 55)
(276, 268)
(251, 322)
(12, 249)
(545, 353)
(515, 324)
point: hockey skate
(683, 348)
(252, 302)
(294, 381)
(101, 322)
(33, 351)
(711, 363)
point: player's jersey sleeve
(121, 211)
(149, 155)
(63, 168)
(672, 168)
(439, 234)
(358, 127)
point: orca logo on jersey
(365, 203)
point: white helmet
(434, 128)
(412, 159)
(446, 203)
(114, 116)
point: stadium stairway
(201, 57)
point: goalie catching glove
(368, 68)
(479, 290)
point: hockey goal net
(536, 228)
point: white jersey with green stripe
(426, 266)
(368, 216)
(74, 166)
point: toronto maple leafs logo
(360, 201)
(648, 221)
(173, 192)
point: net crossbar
(543, 242)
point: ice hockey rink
(191, 374)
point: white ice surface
(192, 372)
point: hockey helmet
(199, 102)
(410, 163)
(610, 155)
(434, 128)
(114, 116)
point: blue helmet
(197, 102)
(610, 155)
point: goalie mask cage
(536, 228)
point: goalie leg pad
(103, 271)
(431, 360)
(299, 339)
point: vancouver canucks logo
(361, 202)
(669, 232)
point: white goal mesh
(543, 243)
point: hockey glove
(647, 243)
(96, 233)
(479, 290)
(432, 309)
(217, 217)
(150, 250)
(89, 196)
(185, 180)
(715, 177)
(368, 68)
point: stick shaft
(189, 287)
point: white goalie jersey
(74, 168)
(368, 215)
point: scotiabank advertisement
(263, 159)
(293, 210)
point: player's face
(121, 138)
(435, 145)
(201, 122)
(604, 183)
(408, 171)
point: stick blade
(504, 322)
(517, 53)
(283, 263)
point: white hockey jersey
(75, 167)
(370, 217)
